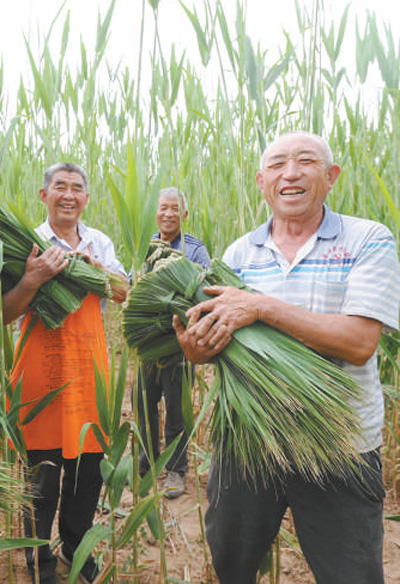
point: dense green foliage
(207, 141)
(134, 139)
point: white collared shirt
(93, 242)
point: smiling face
(65, 198)
(296, 177)
(168, 217)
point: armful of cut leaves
(270, 392)
(38, 270)
(119, 284)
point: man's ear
(260, 180)
(333, 174)
(43, 195)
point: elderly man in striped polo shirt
(332, 282)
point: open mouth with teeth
(292, 191)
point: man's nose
(292, 168)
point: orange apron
(51, 358)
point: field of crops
(134, 140)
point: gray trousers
(339, 524)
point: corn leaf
(187, 406)
(102, 399)
(97, 432)
(89, 541)
(44, 402)
(119, 479)
(134, 520)
(13, 543)
(147, 481)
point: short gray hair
(328, 155)
(174, 192)
(67, 166)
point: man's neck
(68, 233)
(290, 235)
(169, 238)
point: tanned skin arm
(350, 338)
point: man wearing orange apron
(53, 358)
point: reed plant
(116, 469)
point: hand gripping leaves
(59, 296)
(278, 405)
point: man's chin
(169, 235)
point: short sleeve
(201, 256)
(103, 249)
(110, 259)
(373, 283)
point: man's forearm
(16, 301)
(350, 338)
(38, 269)
(119, 286)
(119, 283)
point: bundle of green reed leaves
(278, 406)
(62, 294)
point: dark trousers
(167, 382)
(79, 497)
(339, 524)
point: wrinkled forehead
(65, 177)
(293, 145)
(168, 201)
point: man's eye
(306, 160)
(277, 164)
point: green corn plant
(189, 421)
(116, 466)
(155, 469)
(118, 469)
(135, 208)
(333, 48)
(11, 433)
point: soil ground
(185, 553)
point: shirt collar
(174, 243)
(329, 228)
(49, 234)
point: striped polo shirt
(350, 266)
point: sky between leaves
(265, 22)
